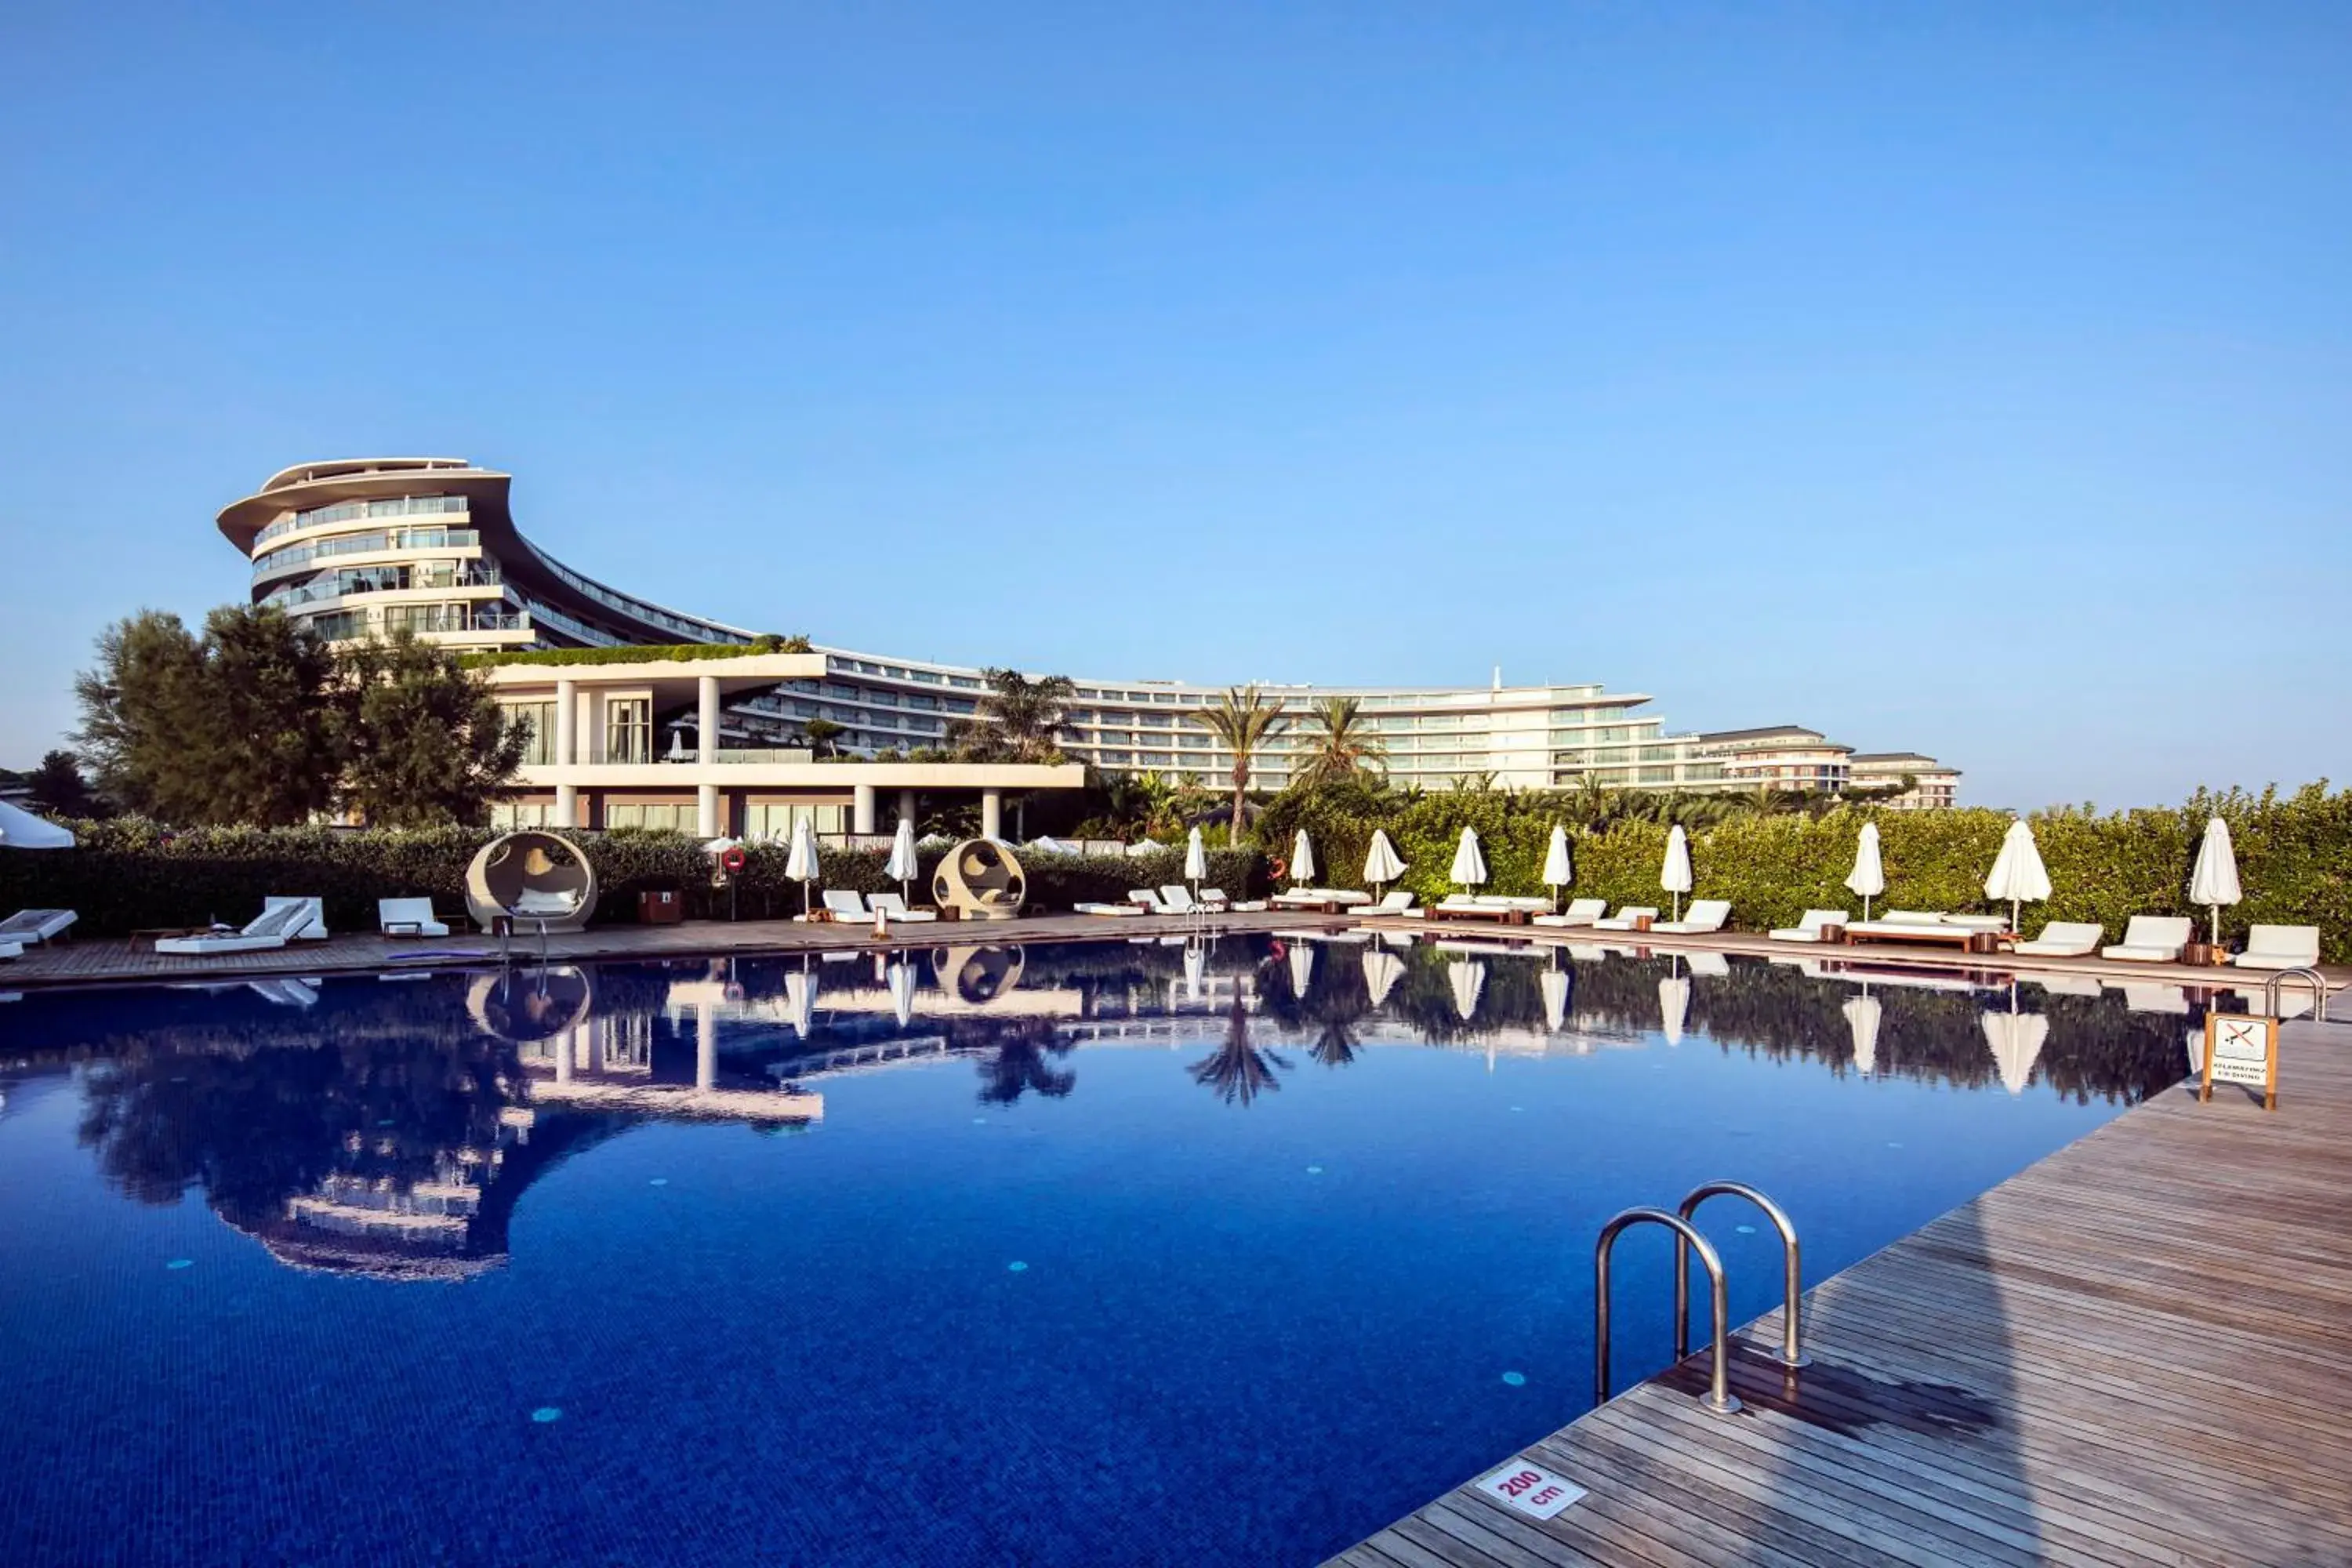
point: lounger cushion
(845, 902)
(2280, 947)
(36, 925)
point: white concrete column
(567, 806)
(906, 806)
(992, 814)
(567, 722)
(706, 810)
(706, 715)
(861, 809)
(706, 1045)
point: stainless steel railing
(1719, 1396)
(2310, 977)
(1792, 1339)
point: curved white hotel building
(364, 546)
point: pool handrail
(2310, 977)
(1718, 1397)
(1792, 1343)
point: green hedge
(129, 873)
(2294, 857)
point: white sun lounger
(895, 906)
(1705, 916)
(2064, 939)
(1177, 899)
(312, 930)
(1580, 912)
(1624, 918)
(1808, 926)
(409, 917)
(2151, 939)
(271, 928)
(12, 950)
(1101, 908)
(1395, 901)
(28, 927)
(1215, 900)
(2280, 947)
(845, 904)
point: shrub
(130, 872)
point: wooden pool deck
(2136, 1351)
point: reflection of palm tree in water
(1336, 1046)
(1239, 1072)
(1021, 1062)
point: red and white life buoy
(733, 857)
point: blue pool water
(1110, 1253)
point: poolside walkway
(2137, 1351)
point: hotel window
(540, 717)
(679, 816)
(628, 730)
(512, 813)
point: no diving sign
(1524, 1489)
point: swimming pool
(1210, 1250)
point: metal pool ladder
(2310, 977)
(1687, 1240)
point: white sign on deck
(1524, 1489)
(2242, 1050)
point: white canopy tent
(1868, 878)
(20, 829)
(2214, 881)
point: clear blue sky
(1968, 378)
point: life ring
(733, 857)
(1281, 867)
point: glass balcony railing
(343, 511)
(278, 560)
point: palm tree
(1243, 720)
(1341, 741)
(1017, 717)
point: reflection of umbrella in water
(2016, 1040)
(902, 992)
(1862, 1014)
(1673, 1005)
(1196, 968)
(1559, 987)
(1302, 968)
(1468, 978)
(1382, 970)
(800, 1002)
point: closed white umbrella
(1469, 864)
(1557, 987)
(1674, 876)
(2016, 873)
(902, 992)
(1382, 970)
(2016, 1040)
(1302, 860)
(901, 867)
(801, 864)
(1674, 1007)
(20, 829)
(1302, 967)
(1468, 978)
(1382, 862)
(2214, 882)
(1558, 871)
(1196, 860)
(1868, 877)
(1861, 1015)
